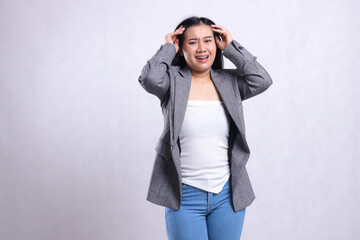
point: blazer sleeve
(154, 77)
(253, 79)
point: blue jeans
(204, 215)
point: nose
(201, 47)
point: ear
(181, 52)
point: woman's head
(196, 42)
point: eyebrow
(197, 38)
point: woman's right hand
(172, 37)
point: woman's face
(199, 48)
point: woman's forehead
(199, 31)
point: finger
(223, 34)
(217, 38)
(216, 26)
(175, 34)
(180, 30)
(218, 31)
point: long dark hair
(195, 21)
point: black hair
(195, 21)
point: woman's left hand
(225, 35)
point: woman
(199, 173)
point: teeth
(202, 57)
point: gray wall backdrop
(78, 132)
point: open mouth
(203, 57)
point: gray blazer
(171, 84)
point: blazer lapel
(227, 90)
(182, 92)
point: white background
(78, 132)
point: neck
(201, 75)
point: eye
(208, 40)
(192, 42)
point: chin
(201, 68)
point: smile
(202, 58)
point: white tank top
(204, 145)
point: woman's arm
(253, 79)
(154, 76)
